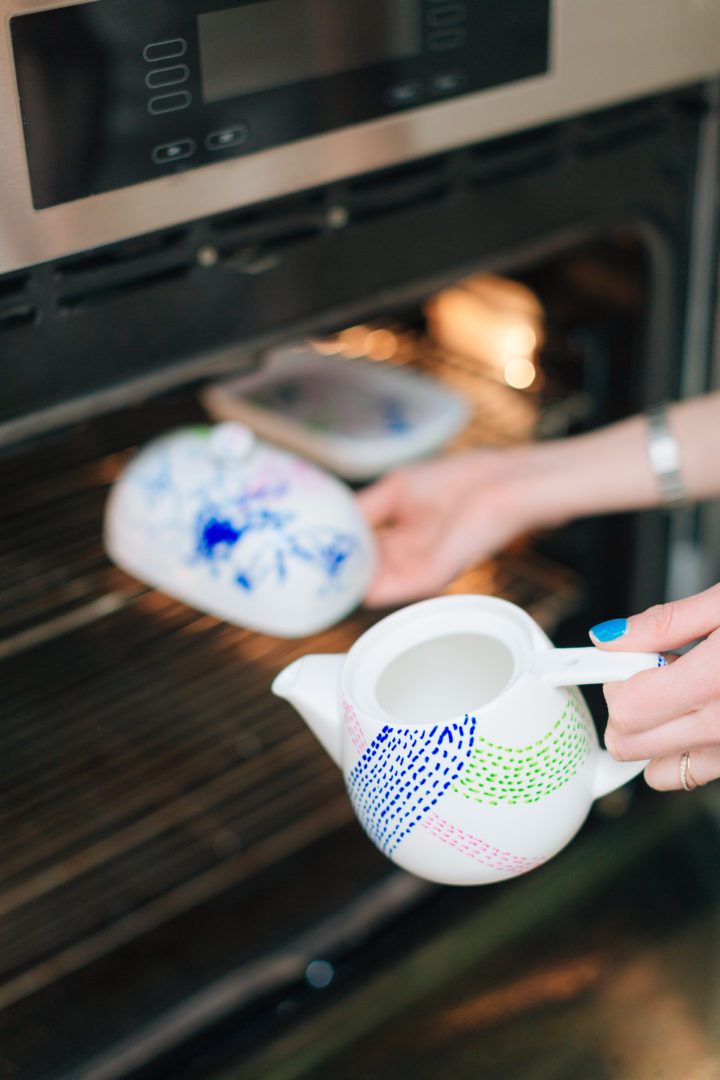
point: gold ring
(685, 773)
(688, 771)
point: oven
(184, 891)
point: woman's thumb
(663, 626)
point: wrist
(602, 472)
(529, 485)
(544, 490)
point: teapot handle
(611, 774)
(580, 667)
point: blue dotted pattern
(403, 773)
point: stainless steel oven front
(120, 117)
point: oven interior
(183, 889)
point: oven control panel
(116, 92)
(122, 117)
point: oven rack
(145, 768)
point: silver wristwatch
(664, 456)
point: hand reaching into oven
(435, 519)
(671, 715)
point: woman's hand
(661, 714)
(436, 519)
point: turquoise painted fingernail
(610, 630)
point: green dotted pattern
(506, 774)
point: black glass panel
(118, 91)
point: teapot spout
(312, 685)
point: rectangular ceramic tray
(354, 417)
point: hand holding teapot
(468, 752)
(674, 719)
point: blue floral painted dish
(240, 529)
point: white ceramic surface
(355, 417)
(242, 530)
(468, 755)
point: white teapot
(467, 755)
(241, 530)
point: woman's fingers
(408, 567)
(379, 501)
(397, 582)
(702, 766)
(654, 697)
(658, 713)
(664, 626)
(662, 713)
(700, 728)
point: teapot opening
(444, 678)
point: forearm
(608, 471)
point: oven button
(173, 151)
(447, 82)
(447, 39)
(167, 76)
(448, 15)
(406, 93)
(164, 50)
(227, 137)
(163, 103)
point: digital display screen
(274, 43)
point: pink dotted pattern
(356, 733)
(478, 849)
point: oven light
(381, 344)
(520, 372)
(330, 347)
(371, 343)
(491, 321)
(353, 341)
(519, 344)
(520, 339)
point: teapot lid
(240, 529)
(231, 441)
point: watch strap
(663, 453)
